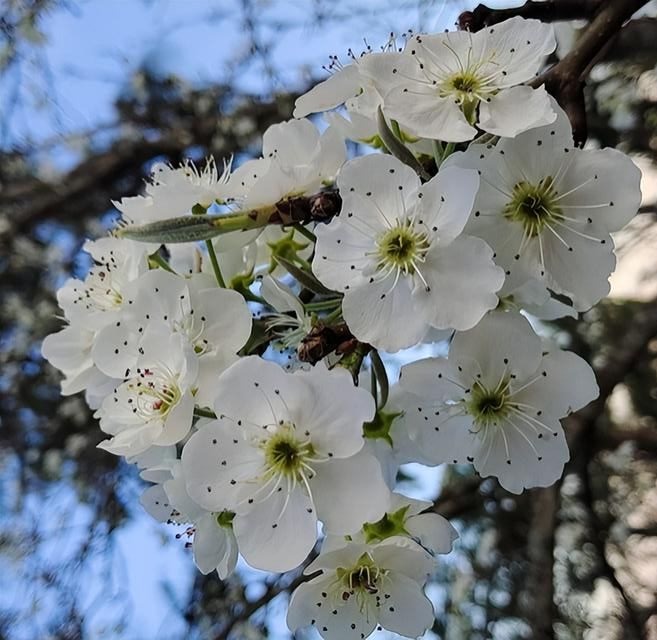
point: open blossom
(397, 253)
(90, 306)
(215, 322)
(443, 85)
(282, 454)
(213, 542)
(174, 191)
(155, 405)
(345, 86)
(70, 351)
(497, 401)
(362, 586)
(296, 160)
(548, 208)
(97, 300)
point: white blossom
(296, 160)
(173, 192)
(443, 85)
(362, 586)
(155, 405)
(397, 253)
(215, 322)
(548, 208)
(282, 454)
(99, 299)
(497, 401)
(213, 542)
(70, 351)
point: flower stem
(322, 305)
(215, 264)
(204, 413)
(307, 233)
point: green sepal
(287, 248)
(225, 519)
(379, 428)
(392, 524)
(199, 209)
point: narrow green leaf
(193, 228)
(380, 372)
(304, 278)
(397, 148)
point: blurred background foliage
(78, 559)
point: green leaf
(382, 377)
(194, 228)
(304, 278)
(397, 147)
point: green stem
(449, 150)
(204, 413)
(322, 305)
(252, 297)
(438, 150)
(215, 264)
(332, 317)
(374, 388)
(307, 233)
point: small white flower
(173, 192)
(70, 351)
(497, 401)
(362, 586)
(213, 541)
(98, 300)
(444, 84)
(547, 208)
(215, 322)
(296, 160)
(282, 454)
(397, 253)
(155, 406)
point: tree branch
(548, 11)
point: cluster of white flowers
(478, 212)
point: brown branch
(455, 501)
(273, 589)
(581, 433)
(548, 11)
(644, 437)
(540, 607)
(565, 80)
